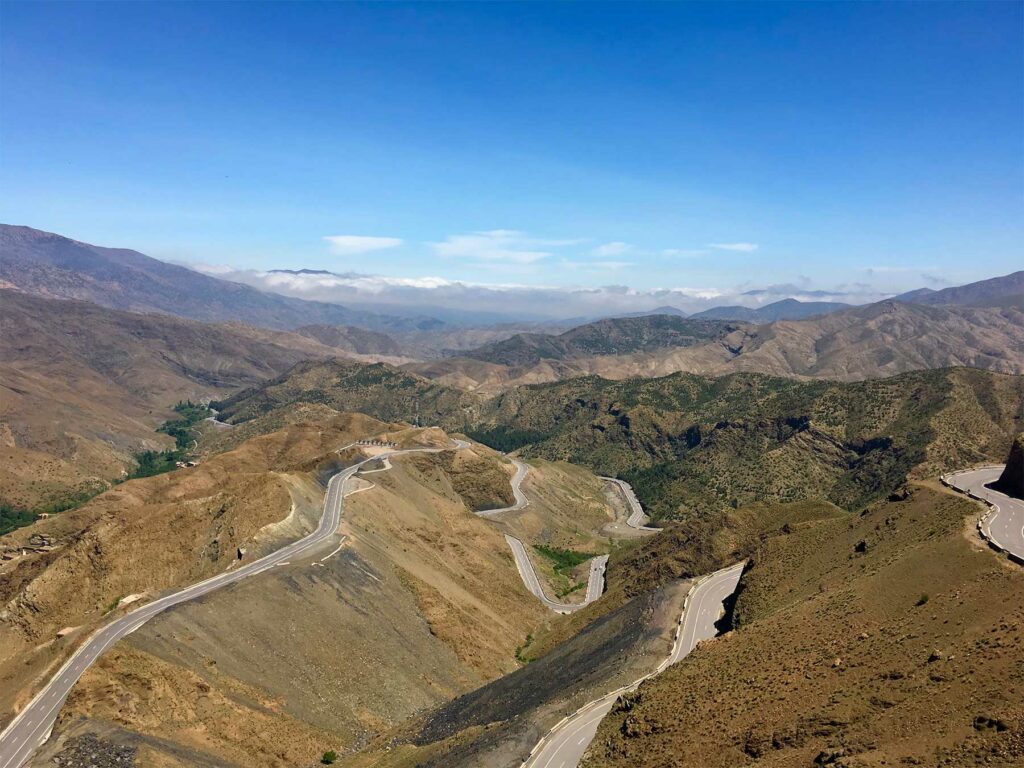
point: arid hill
(352, 339)
(852, 631)
(617, 336)
(860, 343)
(422, 602)
(786, 309)
(695, 444)
(996, 291)
(380, 390)
(84, 387)
(149, 534)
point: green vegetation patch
(12, 517)
(151, 463)
(564, 559)
(506, 439)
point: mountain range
(47, 264)
(805, 447)
(786, 309)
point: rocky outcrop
(1011, 482)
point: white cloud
(602, 265)
(682, 253)
(611, 249)
(429, 294)
(499, 245)
(349, 245)
(740, 247)
(504, 245)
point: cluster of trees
(504, 438)
(157, 462)
(13, 517)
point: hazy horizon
(531, 160)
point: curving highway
(565, 744)
(1004, 524)
(527, 571)
(637, 517)
(32, 726)
(517, 492)
(595, 582)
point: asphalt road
(527, 572)
(595, 582)
(1004, 525)
(32, 725)
(566, 742)
(517, 492)
(637, 517)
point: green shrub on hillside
(151, 463)
(12, 518)
(563, 559)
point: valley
(511, 385)
(628, 541)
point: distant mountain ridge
(866, 342)
(786, 309)
(50, 265)
(614, 336)
(995, 291)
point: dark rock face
(1011, 482)
(90, 751)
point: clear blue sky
(622, 143)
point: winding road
(637, 517)
(527, 571)
(566, 742)
(32, 726)
(1004, 524)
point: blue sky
(855, 148)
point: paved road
(33, 724)
(527, 572)
(595, 582)
(1004, 525)
(637, 518)
(565, 743)
(517, 492)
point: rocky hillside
(698, 444)
(84, 387)
(422, 604)
(1012, 480)
(851, 629)
(860, 343)
(379, 390)
(149, 534)
(695, 444)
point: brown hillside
(150, 534)
(854, 632)
(84, 387)
(423, 603)
(860, 343)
